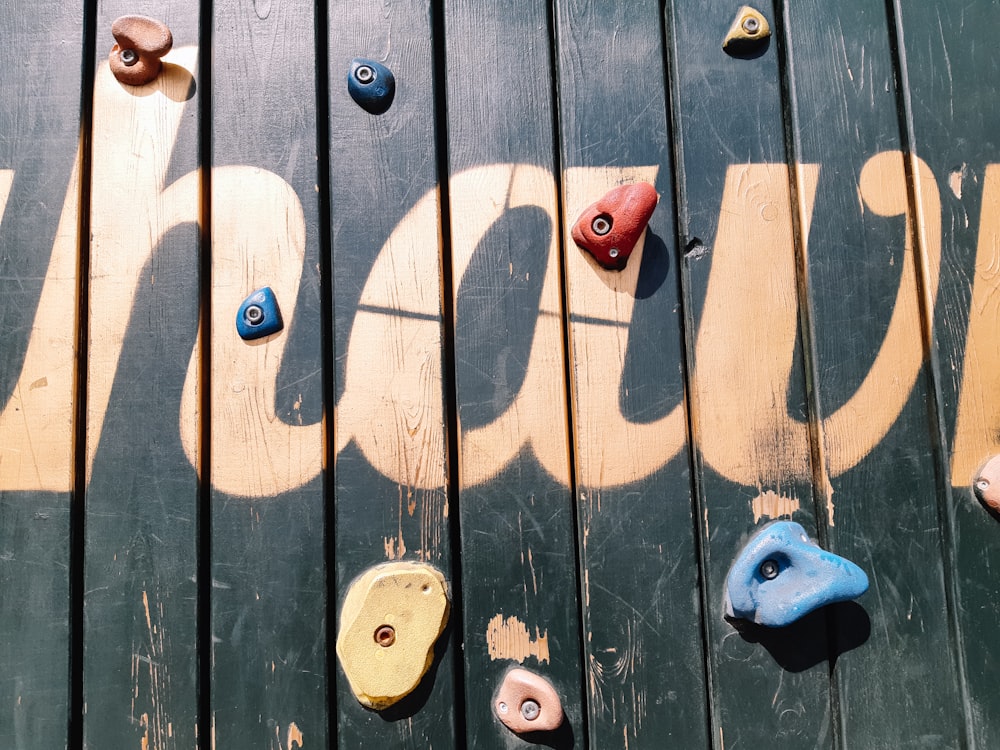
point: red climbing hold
(609, 229)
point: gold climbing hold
(748, 33)
(391, 618)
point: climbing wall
(453, 374)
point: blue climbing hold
(780, 575)
(371, 85)
(258, 315)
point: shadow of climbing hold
(748, 34)
(392, 616)
(140, 42)
(258, 315)
(371, 85)
(780, 575)
(527, 702)
(610, 228)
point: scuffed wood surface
(805, 331)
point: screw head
(751, 25)
(253, 315)
(129, 57)
(769, 569)
(530, 710)
(982, 484)
(613, 252)
(602, 224)
(385, 635)
(502, 707)
(365, 74)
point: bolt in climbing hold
(371, 85)
(748, 33)
(140, 42)
(538, 708)
(385, 636)
(258, 315)
(610, 228)
(780, 575)
(986, 485)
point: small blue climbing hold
(258, 315)
(371, 85)
(780, 575)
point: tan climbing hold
(527, 702)
(140, 42)
(391, 618)
(748, 32)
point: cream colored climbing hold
(749, 32)
(391, 618)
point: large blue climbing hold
(780, 575)
(258, 315)
(371, 85)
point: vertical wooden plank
(642, 613)
(519, 586)
(747, 385)
(952, 117)
(39, 215)
(879, 436)
(266, 430)
(391, 494)
(140, 651)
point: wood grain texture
(747, 386)
(953, 126)
(863, 295)
(140, 647)
(269, 604)
(391, 484)
(39, 213)
(642, 610)
(515, 508)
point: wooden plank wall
(806, 331)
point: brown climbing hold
(527, 702)
(610, 228)
(140, 42)
(749, 32)
(987, 484)
(392, 616)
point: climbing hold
(610, 228)
(748, 34)
(140, 42)
(780, 575)
(391, 618)
(258, 315)
(371, 85)
(527, 702)
(986, 485)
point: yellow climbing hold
(391, 618)
(748, 33)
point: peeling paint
(510, 639)
(770, 504)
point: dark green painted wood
(727, 111)
(140, 648)
(642, 637)
(268, 597)
(949, 61)
(900, 688)
(517, 531)
(380, 168)
(40, 123)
